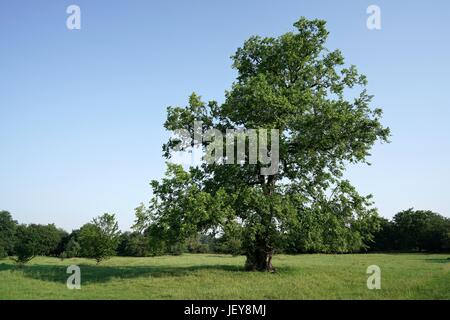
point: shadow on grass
(100, 274)
(441, 260)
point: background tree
(7, 233)
(386, 238)
(294, 84)
(230, 241)
(99, 239)
(133, 244)
(26, 246)
(141, 219)
(71, 246)
(200, 243)
(156, 242)
(35, 239)
(418, 230)
(48, 239)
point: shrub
(99, 239)
(177, 249)
(133, 245)
(24, 253)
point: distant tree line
(412, 230)
(408, 231)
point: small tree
(25, 252)
(99, 239)
(26, 246)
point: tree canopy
(100, 238)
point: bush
(177, 249)
(133, 245)
(200, 243)
(24, 253)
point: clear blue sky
(81, 111)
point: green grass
(209, 276)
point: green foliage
(3, 253)
(200, 243)
(446, 241)
(35, 239)
(336, 225)
(99, 239)
(133, 244)
(419, 230)
(295, 84)
(156, 243)
(24, 253)
(48, 239)
(231, 240)
(26, 246)
(386, 238)
(7, 233)
(69, 246)
(72, 249)
(413, 230)
(177, 249)
(141, 220)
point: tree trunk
(259, 254)
(260, 259)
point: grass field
(208, 276)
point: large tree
(294, 84)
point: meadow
(211, 276)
